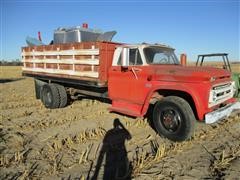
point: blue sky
(192, 27)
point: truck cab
(145, 74)
(133, 71)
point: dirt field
(70, 143)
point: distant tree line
(15, 62)
(236, 62)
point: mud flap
(221, 113)
(38, 87)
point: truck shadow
(117, 165)
(7, 80)
(103, 100)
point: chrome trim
(220, 93)
(221, 113)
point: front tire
(173, 118)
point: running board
(124, 107)
(124, 111)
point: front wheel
(173, 118)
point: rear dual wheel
(53, 96)
(173, 118)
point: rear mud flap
(38, 87)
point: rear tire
(173, 118)
(50, 96)
(62, 95)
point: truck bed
(85, 62)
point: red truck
(133, 77)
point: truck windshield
(160, 55)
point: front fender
(191, 89)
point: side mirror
(125, 57)
(183, 59)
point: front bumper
(221, 113)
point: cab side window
(119, 63)
(134, 58)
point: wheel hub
(170, 120)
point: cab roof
(143, 45)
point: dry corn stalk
(89, 134)
(4, 160)
(24, 175)
(96, 150)
(141, 123)
(160, 153)
(146, 160)
(84, 154)
(129, 123)
(224, 160)
(142, 161)
(56, 145)
(18, 156)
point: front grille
(220, 93)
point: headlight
(212, 96)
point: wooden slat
(65, 61)
(66, 72)
(62, 52)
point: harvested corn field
(85, 141)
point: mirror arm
(124, 68)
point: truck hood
(189, 73)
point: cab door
(126, 77)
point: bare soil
(79, 141)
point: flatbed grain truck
(132, 77)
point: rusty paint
(83, 68)
(51, 66)
(66, 66)
(155, 97)
(106, 51)
(39, 65)
(30, 65)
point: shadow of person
(116, 165)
